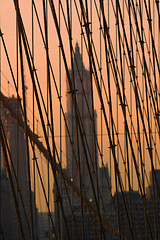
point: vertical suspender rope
(42, 119)
(49, 104)
(150, 122)
(26, 137)
(1, 233)
(60, 116)
(33, 119)
(17, 139)
(75, 122)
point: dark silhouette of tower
(81, 83)
(16, 142)
(79, 150)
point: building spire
(78, 60)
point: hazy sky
(8, 26)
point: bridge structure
(79, 119)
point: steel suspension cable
(76, 120)
(26, 137)
(41, 116)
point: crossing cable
(145, 63)
(33, 119)
(34, 69)
(124, 110)
(94, 48)
(150, 62)
(93, 45)
(144, 39)
(134, 38)
(136, 167)
(131, 110)
(49, 98)
(112, 143)
(33, 139)
(102, 10)
(135, 85)
(17, 95)
(45, 152)
(60, 116)
(4, 143)
(58, 93)
(141, 97)
(89, 33)
(35, 88)
(137, 116)
(17, 137)
(153, 53)
(59, 97)
(76, 109)
(135, 43)
(81, 81)
(141, 110)
(89, 36)
(152, 38)
(10, 66)
(126, 102)
(43, 188)
(100, 69)
(149, 127)
(46, 155)
(119, 74)
(117, 113)
(26, 136)
(41, 115)
(157, 7)
(112, 129)
(111, 118)
(147, 49)
(104, 90)
(61, 106)
(156, 81)
(76, 120)
(79, 75)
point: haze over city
(79, 119)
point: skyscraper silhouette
(16, 143)
(83, 145)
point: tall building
(16, 142)
(82, 84)
(78, 153)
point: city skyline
(86, 75)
